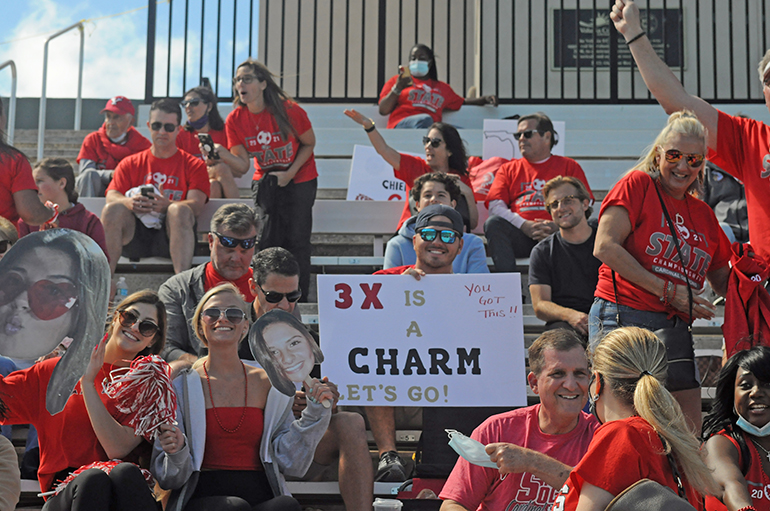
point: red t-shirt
(424, 97)
(705, 245)
(212, 277)
(480, 488)
(77, 218)
(411, 168)
(15, 176)
(98, 148)
(396, 270)
(178, 174)
(260, 135)
(67, 439)
(621, 453)
(743, 151)
(756, 479)
(188, 141)
(518, 183)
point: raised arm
(662, 83)
(390, 102)
(389, 154)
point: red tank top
(757, 481)
(233, 451)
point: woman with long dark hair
(444, 152)
(415, 98)
(737, 434)
(270, 127)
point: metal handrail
(12, 102)
(78, 100)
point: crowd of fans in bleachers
(608, 291)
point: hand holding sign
(287, 352)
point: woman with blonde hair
(649, 223)
(236, 433)
(643, 434)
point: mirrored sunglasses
(564, 201)
(230, 242)
(526, 134)
(434, 142)
(156, 126)
(146, 327)
(446, 236)
(276, 297)
(232, 314)
(47, 300)
(694, 160)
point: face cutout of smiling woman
(54, 284)
(284, 348)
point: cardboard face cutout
(54, 284)
(284, 348)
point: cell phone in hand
(208, 146)
(147, 191)
(406, 71)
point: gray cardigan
(288, 444)
(181, 294)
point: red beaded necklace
(245, 399)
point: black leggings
(123, 489)
(237, 490)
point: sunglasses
(46, 299)
(191, 102)
(564, 201)
(230, 242)
(156, 126)
(526, 134)
(5, 245)
(276, 297)
(446, 236)
(693, 160)
(128, 319)
(434, 142)
(232, 314)
(244, 79)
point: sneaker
(390, 469)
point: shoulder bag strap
(676, 244)
(674, 471)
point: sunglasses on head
(156, 126)
(694, 160)
(128, 319)
(47, 300)
(232, 314)
(230, 242)
(5, 245)
(434, 142)
(191, 102)
(430, 234)
(276, 297)
(526, 134)
(244, 79)
(564, 201)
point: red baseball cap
(119, 105)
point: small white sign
(445, 340)
(371, 177)
(499, 141)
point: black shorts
(147, 242)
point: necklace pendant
(768, 456)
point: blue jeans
(419, 121)
(602, 319)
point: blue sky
(114, 46)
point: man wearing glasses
(103, 149)
(563, 271)
(155, 196)
(518, 219)
(232, 239)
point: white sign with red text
(445, 340)
(371, 177)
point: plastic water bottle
(121, 290)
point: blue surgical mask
(472, 450)
(419, 68)
(751, 429)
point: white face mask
(472, 450)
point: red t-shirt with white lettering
(519, 184)
(188, 142)
(260, 135)
(15, 176)
(177, 175)
(650, 242)
(424, 97)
